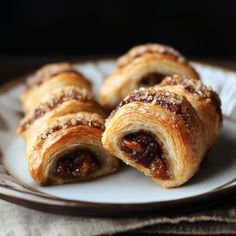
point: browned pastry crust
(165, 131)
(63, 128)
(69, 99)
(57, 146)
(53, 76)
(50, 69)
(139, 51)
(143, 66)
(204, 100)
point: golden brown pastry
(51, 69)
(165, 131)
(52, 76)
(59, 102)
(68, 149)
(143, 66)
(63, 128)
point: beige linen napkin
(16, 220)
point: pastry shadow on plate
(219, 159)
(3, 124)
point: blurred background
(38, 32)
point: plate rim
(86, 208)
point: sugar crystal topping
(56, 100)
(194, 86)
(197, 88)
(149, 48)
(73, 122)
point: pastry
(165, 131)
(59, 102)
(52, 76)
(68, 149)
(62, 128)
(143, 66)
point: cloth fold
(16, 220)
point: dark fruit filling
(143, 148)
(78, 163)
(151, 79)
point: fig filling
(151, 79)
(78, 163)
(143, 148)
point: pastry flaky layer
(62, 128)
(143, 66)
(49, 78)
(165, 131)
(68, 149)
(58, 102)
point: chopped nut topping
(68, 123)
(56, 100)
(197, 88)
(149, 48)
(172, 102)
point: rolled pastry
(51, 76)
(68, 149)
(59, 102)
(143, 66)
(62, 129)
(165, 131)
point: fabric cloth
(16, 220)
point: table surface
(12, 67)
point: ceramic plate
(128, 191)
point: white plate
(122, 191)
